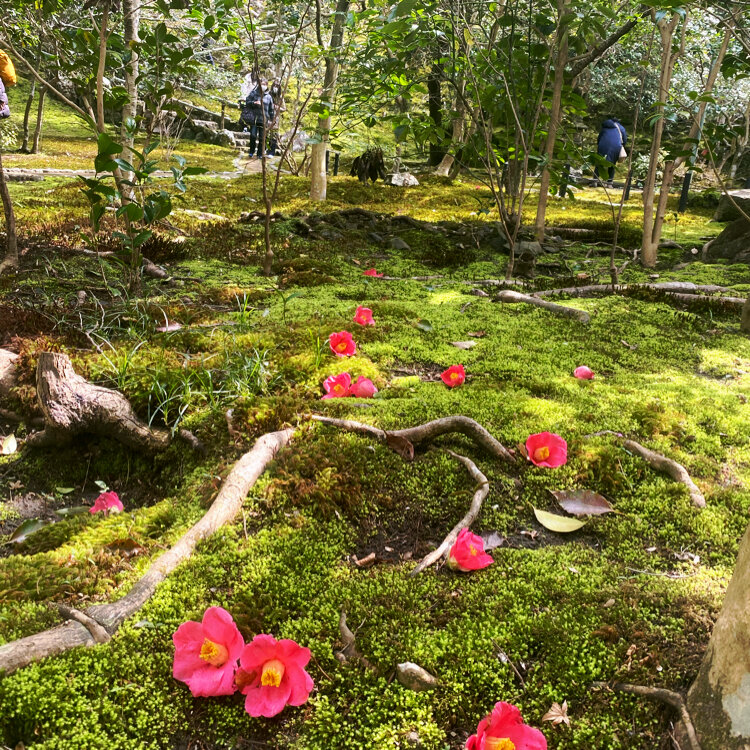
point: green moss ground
(564, 609)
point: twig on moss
(675, 700)
(483, 488)
(223, 510)
(98, 633)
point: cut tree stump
(72, 406)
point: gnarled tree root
(675, 700)
(508, 295)
(425, 432)
(350, 652)
(71, 406)
(223, 510)
(8, 362)
(483, 489)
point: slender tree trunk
(132, 20)
(39, 121)
(666, 31)
(446, 164)
(11, 252)
(554, 116)
(103, 34)
(671, 166)
(719, 700)
(26, 115)
(318, 180)
(435, 109)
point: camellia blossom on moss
(363, 388)
(504, 729)
(372, 272)
(363, 316)
(546, 449)
(583, 373)
(467, 553)
(453, 376)
(342, 344)
(206, 653)
(337, 386)
(272, 675)
(107, 502)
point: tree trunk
(666, 31)
(745, 316)
(318, 157)
(103, 34)
(131, 10)
(11, 252)
(554, 116)
(39, 121)
(26, 114)
(719, 700)
(445, 167)
(435, 109)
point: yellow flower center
(454, 376)
(338, 388)
(473, 550)
(214, 653)
(498, 743)
(341, 347)
(272, 673)
(541, 454)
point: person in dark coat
(612, 138)
(258, 114)
(4, 108)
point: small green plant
(285, 300)
(319, 346)
(120, 362)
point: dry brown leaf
(557, 714)
(365, 562)
(582, 502)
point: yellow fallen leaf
(8, 445)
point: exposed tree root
(71, 406)
(675, 700)
(98, 633)
(593, 290)
(223, 510)
(661, 463)
(350, 651)
(483, 489)
(508, 295)
(425, 432)
(8, 362)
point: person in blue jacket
(612, 139)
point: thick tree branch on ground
(483, 489)
(71, 406)
(592, 290)
(223, 510)
(567, 312)
(426, 432)
(661, 463)
(664, 696)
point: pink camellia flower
(372, 272)
(342, 344)
(206, 653)
(363, 316)
(467, 553)
(363, 388)
(107, 502)
(546, 449)
(453, 376)
(504, 729)
(583, 373)
(272, 675)
(338, 386)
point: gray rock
(412, 676)
(402, 179)
(732, 244)
(526, 248)
(226, 138)
(726, 210)
(375, 238)
(398, 244)
(330, 234)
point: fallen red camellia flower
(107, 502)
(206, 653)
(453, 376)
(337, 386)
(583, 373)
(372, 272)
(272, 675)
(363, 388)
(342, 344)
(546, 449)
(363, 316)
(504, 729)
(467, 553)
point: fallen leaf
(365, 562)
(29, 526)
(608, 633)
(75, 510)
(557, 714)
(400, 445)
(8, 445)
(128, 547)
(424, 325)
(65, 490)
(522, 450)
(464, 344)
(492, 540)
(560, 524)
(582, 502)
(169, 327)
(477, 334)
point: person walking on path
(611, 145)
